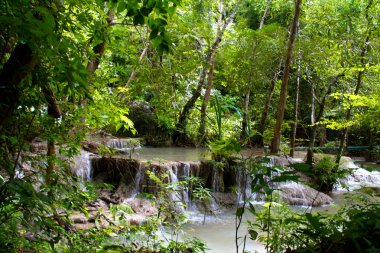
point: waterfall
(131, 175)
(124, 145)
(359, 178)
(243, 183)
(217, 182)
(139, 178)
(82, 165)
(175, 193)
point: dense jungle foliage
(223, 74)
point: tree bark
(206, 99)
(19, 65)
(310, 149)
(284, 86)
(210, 77)
(267, 7)
(244, 123)
(295, 112)
(134, 72)
(54, 112)
(314, 126)
(98, 49)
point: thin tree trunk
(55, 113)
(134, 72)
(284, 86)
(98, 51)
(314, 126)
(265, 14)
(363, 52)
(179, 135)
(206, 99)
(295, 112)
(310, 149)
(259, 141)
(344, 135)
(244, 123)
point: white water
(82, 165)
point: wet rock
(38, 146)
(90, 146)
(136, 219)
(125, 191)
(299, 194)
(224, 199)
(86, 226)
(78, 218)
(147, 125)
(142, 206)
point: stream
(218, 231)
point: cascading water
(219, 181)
(82, 165)
(359, 178)
(123, 144)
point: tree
(179, 135)
(282, 103)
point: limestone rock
(299, 194)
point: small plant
(105, 151)
(325, 175)
(133, 144)
(224, 148)
(264, 180)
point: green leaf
(146, 10)
(118, 126)
(138, 19)
(121, 6)
(253, 234)
(303, 167)
(239, 212)
(153, 34)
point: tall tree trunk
(363, 52)
(134, 72)
(267, 7)
(179, 135)
(284, 86)
(344, 135)
(206, 99)
(98, 51)
(314, 126)
(295, 112)
(259, 141)
(244, 122)
(210, 77)
(55, 113)
(310, 149)
(19, 65)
